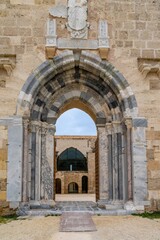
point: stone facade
(133, 49)
(85, 145)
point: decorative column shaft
(25, 159)
(110, 162)
(128, 123)
(117, 161)
(103, 164)
(47, 170)
(35, 160)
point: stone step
(46, 212)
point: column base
(136, 206)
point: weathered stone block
(140, 25)
(148, 53)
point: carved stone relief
(76, 14)
(77, 18)
(7, 64)
(150, 68)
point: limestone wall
(134, 31)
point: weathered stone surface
(133, 33)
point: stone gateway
(50, 62)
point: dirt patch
(109, 228)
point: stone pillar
(15, 156)
(139, 162)
(103, 164)
(117, 161)
(35, 160)
(47, 170)
(128, 123)
(110, 163)
(25, 160)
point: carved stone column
(128, 123)
(25, 160)
(117, 161)
(110, 163)
(103, 164)
(35, 160)
(47, 170)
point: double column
(111, 162)
(38, 164)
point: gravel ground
(108, 228)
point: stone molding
(7, 64)
(147, 66)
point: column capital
(128, 122)
(116, 126)
(109, 128)
(51, 129)
(35, 126)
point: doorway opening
(75, 142)
(84, 184)
(73, 188)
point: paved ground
(76, 206)
(75, 197)
(108, 228)
(77, 222)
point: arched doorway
(73, 188)
(84, 184)
(96, 87)
(58, 185)
(71, 160)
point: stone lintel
(64, 43)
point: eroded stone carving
(7, 64)
(51, 38)
(77, 18)
(147, 66)
(59, 11)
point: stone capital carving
(77, 18)
(147, 66)
(109, 128)
(117, 126)
(35, 126)
(51, 129)
(128, 123)
(26, 124)
(7, 64)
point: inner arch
(75, 122)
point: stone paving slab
(77, 222)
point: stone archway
(80, 80)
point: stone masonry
(134, 49)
